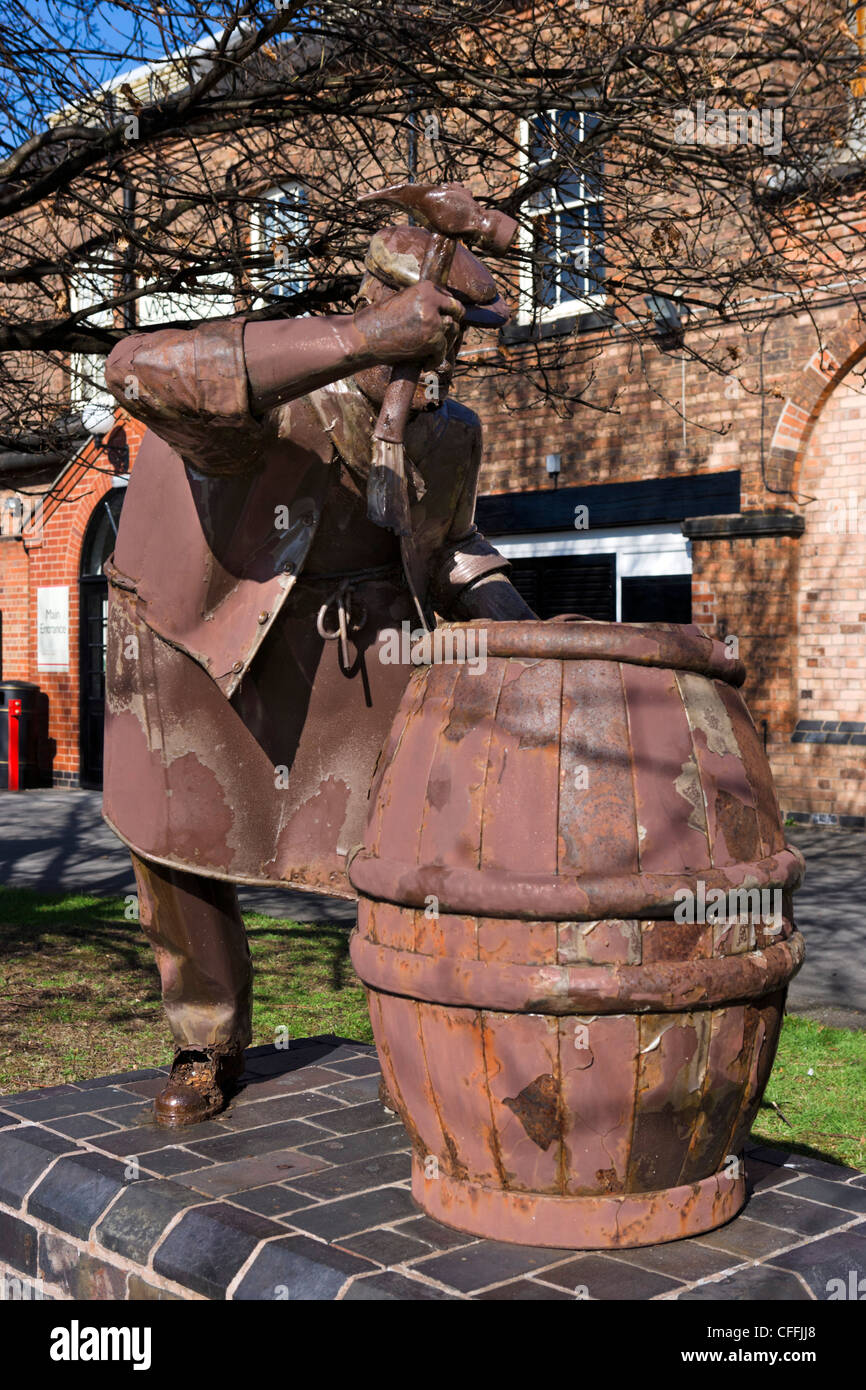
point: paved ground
(57, 839)
(301, 1190)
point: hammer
(451, 213)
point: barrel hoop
(617, 1220)
(662, 987)
(676, 646)
(466, 892)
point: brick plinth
(301, 1190)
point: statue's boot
(198, 1088)
(197, 933)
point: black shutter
(553, 584)
(657, 599)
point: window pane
(540, 138)
(595, 229)
(573, 254)
(591, 162)
(284, 220)
(545, 262)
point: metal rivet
(308, 519)
(289, 567)
(263, 617)
(238, 666)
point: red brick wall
(51, 555)
(746, 587)
(831, 610)
(57, 560)
(15, 607)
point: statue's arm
(207, 390)
(469, 579)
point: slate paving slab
(82, 1126)
(167, 1162)
(140, 1216)
(393, 1286)
(833, 1193)
(272, 1109)
(221, 1179)
(358, 1213)
(833, 1267)
(339, 1180)
(606, 1277)
(681, 1259)
(25, 1153)
(299, 1268)
(525, 1291)
(271, 1200)
(287, 1134)
(368, 1144)
(487, 1262)
(300, 1190)
(780, 1208)
(208, 1246)
(52, 1108)
(385, 1246)
(757, 1283)
(76, 1191)
(749, 1239)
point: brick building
(51, 556)
(736, 502)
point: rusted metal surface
(576, 1068)
(580, 1223)
(233, 682)
(240, 740)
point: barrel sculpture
(576, 1065)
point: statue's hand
(416, 324)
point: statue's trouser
(195, 928)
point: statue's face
(434, 384)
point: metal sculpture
(251, 584)
(575, 931)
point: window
(564, 268)
(279, 227)
(627, 574)
(93, 283)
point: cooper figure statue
(240, 739)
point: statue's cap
(396, 254)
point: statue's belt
(350, 613)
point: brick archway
(809, 390)
(818, 453)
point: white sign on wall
(52, 622)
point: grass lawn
(79, 997)
(79, 991)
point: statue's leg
(197, 933)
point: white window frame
(260, 235)
(658, 549)
(529, 311)
(88, 396)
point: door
(93, 613)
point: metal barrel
(575, 930)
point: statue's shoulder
(461, 418)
